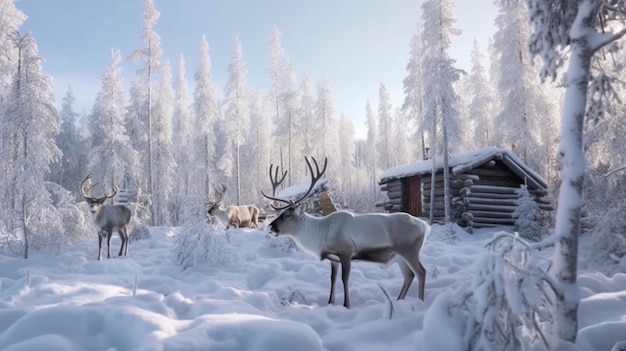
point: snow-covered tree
(413, 99)
(305, 123)
(65, 172)
(523, 108)
(481, 105)
(325, 116)
(581, 27)
(206, 114)
(182, 131)
(440, 99)
(150, 56)
(284, 94)
(260, 137)
(385, 128)
(30, 123)
(371, 151)
(235, 122)
(529, 219)
(111, 157)
(163, 157)
(10, 20)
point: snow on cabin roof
(299, 189)
(464, 161)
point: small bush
(201, 243)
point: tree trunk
(433, 184)
(446, 173)
(565, 259)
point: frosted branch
(604, 39)
(615, 171)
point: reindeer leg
(127, 240)
(408, 275)
(122, 236)
(345, 277)
(109, 235)
(334, 267)
(413, 261)
(99, 246)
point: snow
(426, 166)
(296, 190)
(269, 297)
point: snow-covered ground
(258, 296)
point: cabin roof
(464, 161)
(295, 191)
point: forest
(547, 92)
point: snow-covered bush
(139, 232)
(508, 299)
(609, 240)
(57, 228)
(186, 209)
(529, 219)
(202, 243)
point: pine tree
(163, 158)
(440, 99)
(65, 171)
(150, 55)
(481, 105)
(385, 127)
(31, 125)
(182, 131)
(206, 114)
(111, 157)
(529, 221)
(236, 118)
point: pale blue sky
(357, 44)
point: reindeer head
(213, 206)
(290, 214)
(95, 203)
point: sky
(242, 291)
(356, 44)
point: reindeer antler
(274, 178)
(315, 177)
(220, 190)
(85, 187)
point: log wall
(480, 197)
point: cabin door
(414, 196)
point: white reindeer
(236, 216)
(343, 236)
(107, 218)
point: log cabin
(319, 203)
(483, 188)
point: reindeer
(342, 236)
(235, 216)
(107, 218)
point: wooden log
(438, 206)
(499, 182)
(492, 214)
(489, 207)
(490, 195)
(489, 164)
(464, 176)
(396, 201)
(500, 221)
(382, 203)
(492, 172)
(485, 200)
(490, 225)
(394, 194)
(492, 189)
(392, 186)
